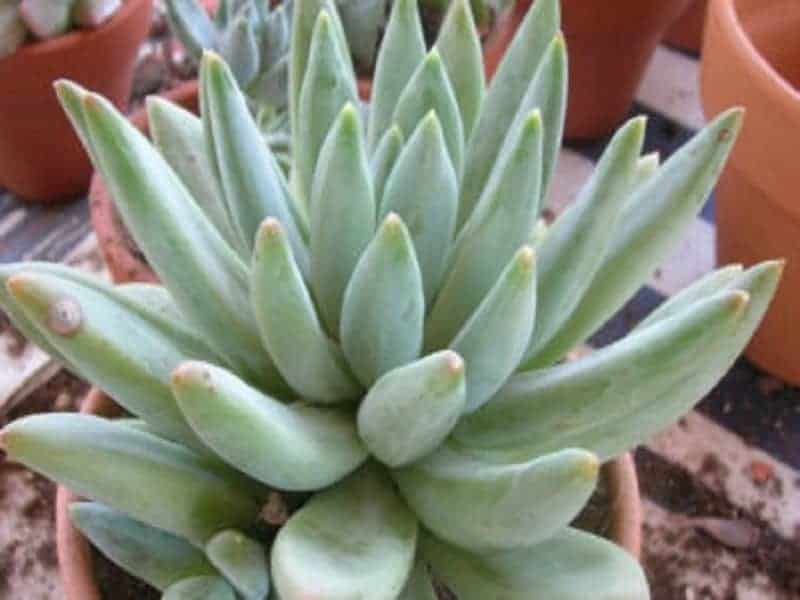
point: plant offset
(44, 19)
(383, 333)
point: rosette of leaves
(382, 340)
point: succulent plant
(252, 38)
(43, 19)
(379, 342)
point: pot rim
(75, 36)
(727, 14)
(75, 558)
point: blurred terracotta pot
(687, 32)
(751, 57)
(40, 155)
(125, 263)
(75, 558)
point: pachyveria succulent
(385, 332)
(43, 19)
(252, 38)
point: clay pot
(124, 262)
(687, 32)
(751, 57)
(75, 558)
(40, 155)
(610, 46)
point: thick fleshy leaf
(384, 305)
(501, 223)
(155, 298)
(249, 176)
(705, 287)
(383, 161)
(460, 48)
(191, 24)
(303, 20)
(242, 561)
(616, 397)
(312, 364)
(494, 339)
(328, 86)
(21, 321)
(423, 190)
(419, 585)
(547, 94)
(661, 210)
(357, 538)
(402, 50)
(152, 555)
(577, 241)
(70, 96)
(158, 482)
(204, 276)
(178, 135)
(240, 48)
(485, 507)
(571, 565)
(295, 447)
(200, 588)
(92, 324)
(503, 99)
(429, 89)
(409, 411)
(342, 214)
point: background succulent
(252, 38)
(380, 339)
(43, 19)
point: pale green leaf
(402, 50)
(242, 561)
(384, 305)
(287, 319)
(152, 555)
(409, 411)
(501, 223)
(357, 538)
(485, 507)
(423, 190)
(297, 447)
(158, 482)
(342, 214)
(571, 565)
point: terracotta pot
(40, 155)
(124, 262)
(75, 558)
(687, 32)
(751, 57)
(609, 50)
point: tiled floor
(736, 457)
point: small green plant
(44, 19)
(380, 339)
(252, 39)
